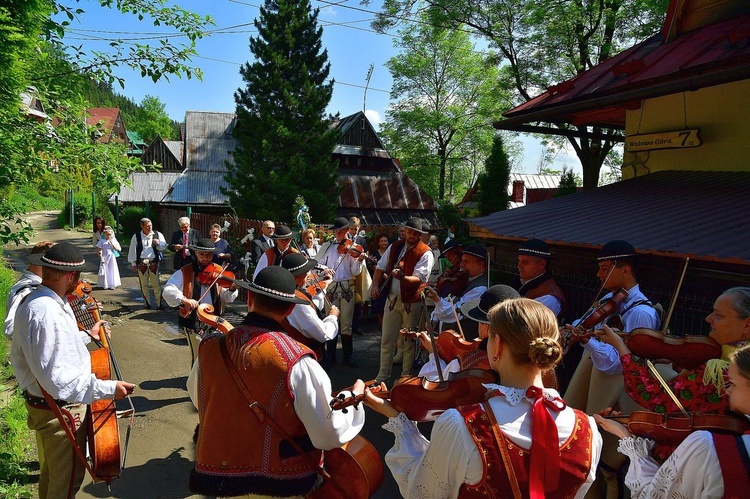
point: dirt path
(153, 356)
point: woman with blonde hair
(521, 441)
(310, 244)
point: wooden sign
(679, 139)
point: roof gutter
(555, 112)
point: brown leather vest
(575, 458)
(548, 287)
(408, 292)
(237, 452)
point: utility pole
(367, 84)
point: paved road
(153, 356)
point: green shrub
(130, 220)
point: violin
(215, 273)
(205, 315)
(688, 351)
(451, 344)
(423, 400)
(598, 313)
(672, 429)
(355, 250)
(452, 282)
(314, 284)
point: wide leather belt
(39, 402)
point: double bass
(107, 461)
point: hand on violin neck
(611, 426)
(431, 294)
(378, 404)
(607, 335)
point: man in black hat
(344, 267)
(192, 285)
(259, 387)
(282, 246)
(598, 382)
(306, 323)
(402, 269)
(476, 311)
(536, 280)
(260, 244)
(467, 288)
(30, 279)
(144, 255)
(49, 351)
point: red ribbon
(544, 474)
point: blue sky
(351, 43)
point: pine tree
(493, 182)
(285, 140)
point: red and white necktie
(185, 245)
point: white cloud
(374, 118)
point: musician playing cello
(48, 350)
(474, 265)
(521, 442)
(187, 286)
(239, 450)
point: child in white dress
(109, 274)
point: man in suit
(181, 241)
(260, 244)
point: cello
(107, 461)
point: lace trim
(515, 395)
(400, 424)
(636, 446)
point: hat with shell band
(61, 256)
(275, 282)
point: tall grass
(16, 441)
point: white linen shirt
(23, 287)
(173, 292)
(305, 320)
(49, 348)
(443, 311)
(148, 250)
(346, 266)
(422, 269)
(438, 468)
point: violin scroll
(206, 316)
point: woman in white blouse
(522, 440)
(704, 465)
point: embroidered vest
(311, 343)
(735, 465)
(543, 285)
(575, 455)
(475, 359)
(408, 292)
(237, 453)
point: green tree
(446, 97)
(568, 183)
(285, 140)
(151, 121)
(544, 42)
(493, 182)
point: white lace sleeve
(691, 471)
(432, 469)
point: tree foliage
(493, 182)
(285, 140)
(543, 42)
(61, 151)
(447, 94)
(568, 183)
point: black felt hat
(341, 223)
(297, 264)
(535, 247)
(203, 244)
(62, 256)
(478, 309)
(282, 232)
(617, 250)
(416, 225)
(275, 282)
(452, 245)
(476, 250)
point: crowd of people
(520, 438)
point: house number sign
(678, 139)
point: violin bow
(455, 314)
(430, 333)
(665, 326)
(601, 288)
(666, 387)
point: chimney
(517, 196)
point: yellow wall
(721, 112)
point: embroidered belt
(39, 402)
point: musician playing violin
(523, 441)
(537, 282)
(702, 389)
(305, 323)
(344, 267)
(475, 311)
(49, 351)
(597, 382)
(192, 285)
(274, 255)
(239, 451)
(474, 265)
(705, 464)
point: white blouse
(437, 469)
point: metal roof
(673, 213)
(534, 181)
(209, 125)
(147, 186)
(198, 188)
(389, 191)
(715, 54)
(175, 147)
